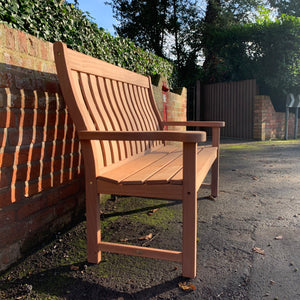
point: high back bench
(123, 144)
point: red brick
(12, 233)
(25, 81)
(5, 177)
(6, 79)
(52, 118)
(34, 171)
(36, 153)
(7, 216)
(22, 42)
(31, 206)
(21, 173)
(64, 206)
(41, 118)
(10, 38)
(51, 86)
(46, 167)
(32, 189)
(7, 119)
(53, 196)
(44, 50)
(40, 219)
(33, 46)
(56, 179)
(5, 197)
(6, 159)
(46, 183)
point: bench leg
(189, 247)
(189, 211)
(215, 166)
(93, 221)
(215, 178)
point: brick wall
(41, 177)
(269, 124)
(41, 168)
(176, 103)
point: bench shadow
(69, 284)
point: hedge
(52, 21)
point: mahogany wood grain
(123, 145)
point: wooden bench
(123, 145)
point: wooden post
(189, 207)
(286, 123)
(296, 122)
(215, 166)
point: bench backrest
(101, 96)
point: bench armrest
(176, 136)
(212, 124)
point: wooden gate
(231, 102)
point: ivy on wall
(52, 21)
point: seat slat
(128, 169)
(164, 175)
(141, 176)
(205, 158)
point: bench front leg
(189, 207)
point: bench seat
(162, 166)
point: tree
(143, 22)
(165, 27)
(268, 51)
(289, 7)
(221, 14)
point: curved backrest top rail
(84, 63)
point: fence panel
(231, 102)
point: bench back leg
(215, 166)
(93, 221)
(189, 210)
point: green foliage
(52, 21)
(268, 51)
(289, 7)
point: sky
(101, 13)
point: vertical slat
(142, 112)
(106, 145)
(150, 121)
(124, 145)
(86, 116)
(111, 119)
(122, 109)
(154, 121)
(100, 102)
(131, 121)
(132, 104)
